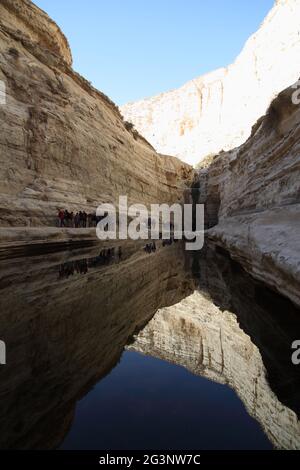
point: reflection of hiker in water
(149, 247)
(70, 267)
(84, 266)
(107, 255)
(167, 241)
(81, 266)
(66, 269)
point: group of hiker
(150, 247)
(71, 267)
(169, 241)
(105, 256)
(79, 219)
(110, 253)
(82, 266)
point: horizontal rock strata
(252, 198)
(63, 144)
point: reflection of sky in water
(146, 403)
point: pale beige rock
(209, 342)
(28, 18)
(216, 111)
(64, 144)
(252, 193)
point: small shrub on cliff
(13, 52)
(129, 126)
(206, 161)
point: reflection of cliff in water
(271, 320)
(66, 317)
(234, 331)
(64, 332)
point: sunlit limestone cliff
(63, 144)
(216, 111)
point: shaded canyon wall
(252, 198)
(65, 331)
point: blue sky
(131, 49)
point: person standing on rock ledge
(61, 218)
(76, 220)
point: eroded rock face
(27, 18)
(252, 197)
(216, 111)
(208, 342)
(66, 329)
(64, 144)
(234, 332)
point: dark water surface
(147, 403)
(130, 350)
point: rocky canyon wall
(63, 144)
(252, 198)
(251, 192)
(216, 111)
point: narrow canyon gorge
(251, 192)
(63, 143)
(229, 140)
